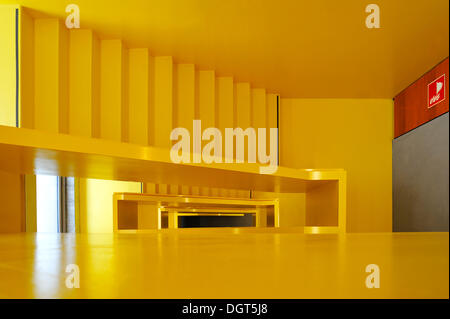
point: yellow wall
(26, 87)
(96, 203)
(11, 185)
(7, 66)
(354, 134)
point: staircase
(74, 83)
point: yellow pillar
(173, 219)
(8, 66)
(138, 96)
(51, 75)
(258, 119)
(206, 100)
(242, 108)
(26, 87)
(113, 91)
(84, 84)
(224, 111)
(162, 101)
(242, 105)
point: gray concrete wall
(421, 178)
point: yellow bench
(150, 211)
(28, 151)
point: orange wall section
(353, 134)
(411, 105)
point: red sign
(436, 91)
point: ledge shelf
(28, 151)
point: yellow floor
(225, 263)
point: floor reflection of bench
(148, 211)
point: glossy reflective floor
(224, 263)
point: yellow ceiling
(297, 48)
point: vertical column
(84, 102)
(138, 96)
(258, 108)
(272, 114)
(151, 188)
(30, 203)
(162, 101)
(261, 217)
(185, 95)
(51, 76)
(113, 91)
(224, 111)
(242, 117)
(242, 105)
(173, 219)
(206, 107)
(26, 86)
(206, 98)
(162, 84)
(185, 102)
(259, 112)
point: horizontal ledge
(29, 151)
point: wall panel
(420, 178)
(353, 134)
(411, 105)
(7, 66)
